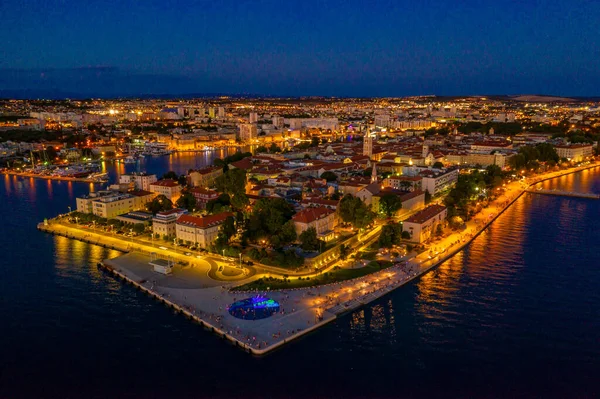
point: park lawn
(335, 276)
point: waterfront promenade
(305, 309)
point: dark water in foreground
(517, 314)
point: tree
(218, 205)
(274, 148)
(171, 175)
(390, 235)
(286, 235)
(438, 165)
(159, 204)
(233, 183)
(439, 230)
(493, 176)
(228, 227)
(344, 251)
(260, 149)
(405, 235)
(314, 141)
(187, 201)
(353, 210)
(268, 218)
(309, 240)
(329, 176)
(389, 204)
(139, 228)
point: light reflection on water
(515, 314)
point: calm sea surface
(517, 314)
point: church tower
(368, 144)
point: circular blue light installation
(255, 308)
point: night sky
(289, 47)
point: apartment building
(201, 231)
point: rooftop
(205, 221)
(309, 215)
(426, 214)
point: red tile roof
(205, 221)
(426, 214)
(309, 215)
(165, 183)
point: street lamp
(69, 209)
(76, 220)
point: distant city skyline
(346, 49)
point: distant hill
(533, 98)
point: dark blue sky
(288, 47)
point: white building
(167, 187)
(437, 180)
(321, 218)
(111, 206)
(200, 230)
(163, 223)
(575, 152)
(141, 181)
(422, 225)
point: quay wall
(339, 309)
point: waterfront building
(140, 181)
(574, 152)
(163, 223)
(201, 231)
(167, 187)
(423, 224)
(111, 206)
(84, 203)
(204, 177)
(321, 218)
